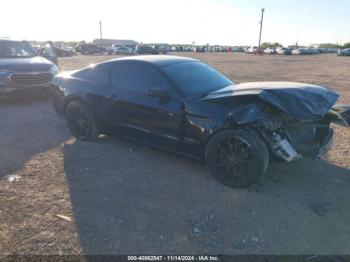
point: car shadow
(28, 127)
(131, 199)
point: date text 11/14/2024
(173, 258)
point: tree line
(324, 45)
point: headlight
(54, 70)
(4, 71)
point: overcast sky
(226, 22)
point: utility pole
(100, 29)
(261, 25)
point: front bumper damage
(292, 139)
(283, 147)
(340, 114)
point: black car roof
(158, 60)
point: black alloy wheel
(237, 158)
(80, 121)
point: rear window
(98, 73)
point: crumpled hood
(25, 63)
(303, 101)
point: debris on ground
(196, 230)
(13, 178)
(67, 218)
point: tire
(80, 121)
(237, 158)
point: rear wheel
(80, 121)
(237, 158)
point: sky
(224, 22)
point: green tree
(329, 45)
(270, 45)
(347, 45)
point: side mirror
(158, 92)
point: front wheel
(237, 158)
(80, 121)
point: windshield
(196, 79)
(11, 49)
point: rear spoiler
(340, 114)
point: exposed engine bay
(290, 138)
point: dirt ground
(119, 197)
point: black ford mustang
(186, 106)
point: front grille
(31, 79)
(29, 68)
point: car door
(155, 120)
(49, 53)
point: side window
(136, 77)
(97, 74)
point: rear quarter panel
(67, 88)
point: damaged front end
(294, 138)
(291, 139)
(340, 115)
(294, 119)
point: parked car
(48, 51)
(283, 51)
(254, 50)
(145, 49)
(270, 51)
(179, 49)
(60, 52)
(300, 51)
(161, 49)
(70, 49)
(89, 49)
(22, 71)
(186, 106)
(332, 50)
(313, 51)
(200, 49)
(238, 49)
(250, 50)
(120, 50)
(344, 52)
(188, 48)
